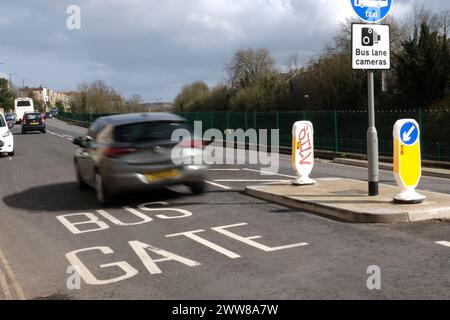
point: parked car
(33, 121)
(48, 115)
(10, 117)
(6, 137)
(132, 152)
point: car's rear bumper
(119, 182)
(33, 127)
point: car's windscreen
(148, 131)
(2, 122)
(23, 103)
(33, 116)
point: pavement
(347, 200)
(426, 171)
(232, 246)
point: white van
(22, 105)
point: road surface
(220, 245)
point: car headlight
(6, 134)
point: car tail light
(117, 152)
(24, 120)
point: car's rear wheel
(80, 183)
(103, 195)
(23, 131)
(11, 154)
(198, 187)
(44, 131)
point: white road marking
(192, 235)
(10, 274)
(249, 240)
(217, 185)
(443, 243)
(270, 173)
(224, 169)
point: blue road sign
(409, 133)
(371, 10)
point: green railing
(339, 131)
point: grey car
(133, 152)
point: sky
(153, 47)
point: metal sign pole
(372, 140)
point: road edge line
(10, 274)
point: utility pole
(23, 87)
(10, 80)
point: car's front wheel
(103, 195)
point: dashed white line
(218, 185)
(443, 243)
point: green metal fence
(339, 131)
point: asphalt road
(299, 255)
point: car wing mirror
(80, 141)
(10, 125)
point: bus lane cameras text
(149, 255)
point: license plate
(34, 123)
(162, 175)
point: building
(47, 97)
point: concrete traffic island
(347, 199)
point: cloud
(153, 47)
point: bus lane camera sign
(371, 47)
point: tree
(249, 66)
(218, 98)
(6, 95)
(192, 97)
(423, 68)
(59, 106)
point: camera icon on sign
(369, 37)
